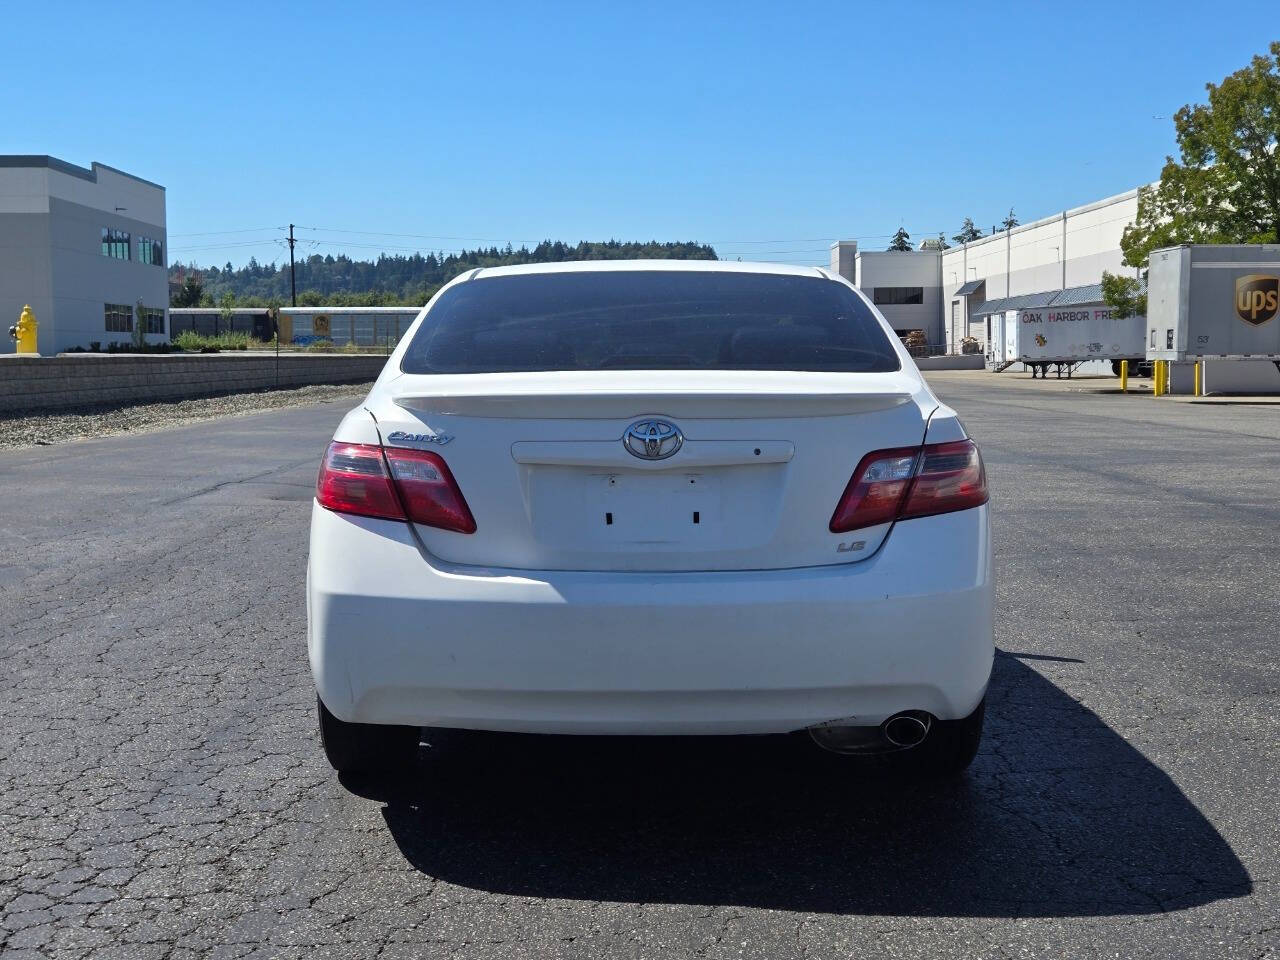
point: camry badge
(399, 436)
(652, 439)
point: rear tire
(365, 747)
(948, 749)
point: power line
(426, 236)
(224, 246)
(219, 233)
(418, 236)
(724, 247)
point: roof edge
(102, 166)
(1043, 221)
(605, 266)
(38, 160)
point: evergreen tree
(968, 232)
(190, 293)
(901, 242)
(328, 280)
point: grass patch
(195, 342)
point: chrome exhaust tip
(847, 739)
(907, 729)
(902, 731)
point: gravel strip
(52, 427)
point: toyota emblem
(652, 439)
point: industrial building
(950, 294)
(905, 286)
(85, 249)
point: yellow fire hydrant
(24, 331)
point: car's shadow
(1059, 816)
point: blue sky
(786, 124)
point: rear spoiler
(607, 405)
(616, 394)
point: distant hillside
(390, 280)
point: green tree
(139, 325)
(394, 280)
(190, 293)
(901, 242)
(1126, 296)
(1225, 188)
(227, 307)
(968, 232)
(1009, 222)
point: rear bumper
(396, 637)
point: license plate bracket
(664, 507)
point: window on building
(898, 295)
(115, 243)
(150, 251)
(153, 318)
(118, 317)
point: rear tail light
(951, 477)
(430, 494)
(354, 479)
(912, 482)
(876, 489)
(395, 484)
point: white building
(950, 290)
(906, 287)
(85, 249)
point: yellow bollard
(1199, 386)
(1124, 376)
(24, 331)
(1160, 373)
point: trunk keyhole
(697, 517)
(608, 519)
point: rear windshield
(649, 320)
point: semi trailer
(1065, 329)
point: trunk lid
(762, 460)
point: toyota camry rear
(651, 498)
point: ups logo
(1257, 298)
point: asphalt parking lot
(162, 792)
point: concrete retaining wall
(54, 383)
(953, 361)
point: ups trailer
(1212, 317)
(1214, 301)
(1072, 330)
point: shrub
(123, 346)
(190, 340)
(320, 346)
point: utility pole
(293, 283)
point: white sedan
(651, 497)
